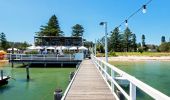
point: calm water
(41, 86)
(154, 73)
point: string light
(143, 8)
(126, 23)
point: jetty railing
(109, 73)
(56, 57)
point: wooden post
(27, 71)
(58, 94)
(132, 91)
(12, 64)
(12, 57)
(1, 74)
(61, 64)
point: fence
(109, 73)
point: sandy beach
(137, 58)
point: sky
(20, 19)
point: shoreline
(137, 58)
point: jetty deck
(89, 84)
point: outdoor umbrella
(64, 48)
(38, 47)
(82, 48)
(10, 49)
(31, 48)
(51, 48)
(73, 48)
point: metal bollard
(58, 94)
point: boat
(4, 79)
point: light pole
(105, 25)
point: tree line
(5, 44)
(52, 28)
(120, 42)
(126, 42)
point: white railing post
(132, 91)
(57, 56)
(31, 56)
(21, 56)
(113, 76)
(44, 56)
(70, 57)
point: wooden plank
(89, 84)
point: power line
(134, 13)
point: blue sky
(20, 19)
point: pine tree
(77, 30)
(144, 46)
(143, 40)
(3, 41)
(134, 45)
(163, 39)
(115, 40)
(51, 29)
(127, 38)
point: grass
(150, 54)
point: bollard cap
(58, 90)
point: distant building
(57, 41)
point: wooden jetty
(89, 84)
(95, 79)
(43, 59)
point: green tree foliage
(134, 45)
(4, 42)
(99, 46)
(51, 29)
(165, 47)
(144, 46)
(163, 39)
(127, 38)
(77, 30)
(143, 40)
(19, 45)
(115, 40)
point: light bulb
(126, 23)
(144, 9)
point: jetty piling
(27, 71)
(58, 94)
(1, 74)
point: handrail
(133, 81)
(41, 57)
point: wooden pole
(12, 57)
(27, 71)
(1, 74)
(58, 94)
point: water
(154, 73)
(41, 86)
